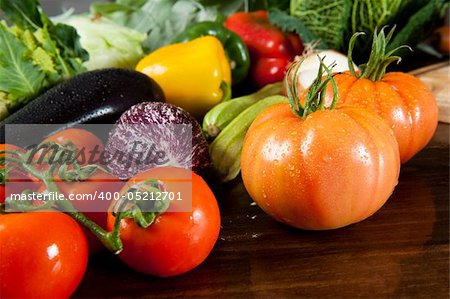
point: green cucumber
(222, 114)
(225, 150)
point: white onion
(310, 63)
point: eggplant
(96, 97)
(165, 133)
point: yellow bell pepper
(195, 75)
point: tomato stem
(134, 209)
(111, 240)
(315, 97)
(379, 60)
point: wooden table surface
(400, 252)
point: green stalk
(111, 240)
(315, 97)
(379, 60)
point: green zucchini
(225, 150)
(222, 114)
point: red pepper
(270, 48)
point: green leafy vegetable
(23, 13)
(335, 21)
(108, 44)
(370, 14)
(325, 19)
(35, 54)
(162, 20)
(415, 28)
(19, 76)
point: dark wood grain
(400, 252)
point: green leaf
(370, 14)
(41, 58)
(161, 20)
(19, 77)
(113, 11)
(288, 23)
(326, 19)
(417, 25)
(68, 41)
(23, 13)
(135, 3)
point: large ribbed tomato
(402, 100)
(327, 170)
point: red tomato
(331, 169)
(402, 100)
(43, 255)
(177, 241)
(85, 141)
(269, 70)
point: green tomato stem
(111, 240)
(379, 60)
(315, 97)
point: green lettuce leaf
(19, 76)
(108, 44)
(35, 54)
(162, 20)
(23, 13)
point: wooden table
(401, 251)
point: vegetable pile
(35, 54)
(270, 90)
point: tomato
(177, 241)
(403, 101)
(86, 142)
(269, 70)
(17, 179)
(43, 255)
(330, 169)
(100, 184)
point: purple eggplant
(152, 134)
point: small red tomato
(176, 242)
(269, 70)
(89, 146)
(43, 255)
